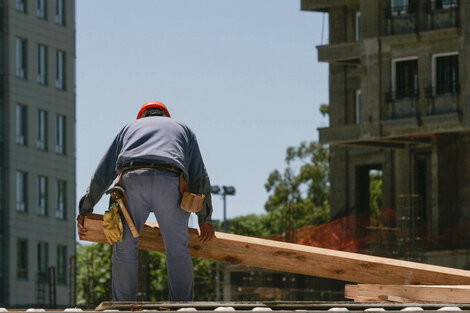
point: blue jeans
(158, 192)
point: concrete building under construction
(400, 113)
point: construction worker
(152, 152)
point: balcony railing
(438, 5)
(449, 89)
(401, 19)
(442, 99)
(442, 14)
(402, 103)
(403, 94)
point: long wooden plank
(408, 293)
(287, 257)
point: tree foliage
(375, 198)
(298, 196)
(301, 192)
(250, 225)
(94, 276)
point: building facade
(37, 152)
(400, 110)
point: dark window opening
(447, 74)
(43, 261)
(22, 259)
(406, 79)
(62, 264)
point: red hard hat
(153, 104)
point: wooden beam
(408, 293)
(288, 257)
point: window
(445, 4)
(42, 195)
(21, 58)
(43, 261)
(22, 259)
(60, 12)
(358, 26)
(41, 10)
(60, 135)
(42, 130)
(42, 65)
(61, 264)
(445, 73)
(61, 199)
(21, 191)
(405, 78)
(400, 7)
(21, 5)
(21, 124)
(60, 70)
(358, 106)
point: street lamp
(225, 191)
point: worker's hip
(139, 165)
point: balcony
(401, 19)
(342, 53)
(321, 5)
(442, 14)
(402, 103)
(442, 99)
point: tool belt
(139, 165)
(118, 199)
(190, 202)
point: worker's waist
(136, 165)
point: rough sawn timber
(407, 293)
(294, 258)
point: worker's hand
(81, 227)
(206, 232)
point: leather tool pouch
(191, 202)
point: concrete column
(435, 188)
(339, 179)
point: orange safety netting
(354, 233)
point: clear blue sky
(243, 74)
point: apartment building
(400, 113)
(37, 152)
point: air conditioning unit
(20, 6)
(59, 84)
(59, 19)
(20, 72)
(41, 144)
(40, 12)
(41, 78)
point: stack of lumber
(408, 293)
(300, 259)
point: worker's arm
(199, 180)
(102, 178)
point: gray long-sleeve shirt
(158, 140)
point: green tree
(250, 225)
(375, 197)
(301, 192)
(204, 280)
(93, 274)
